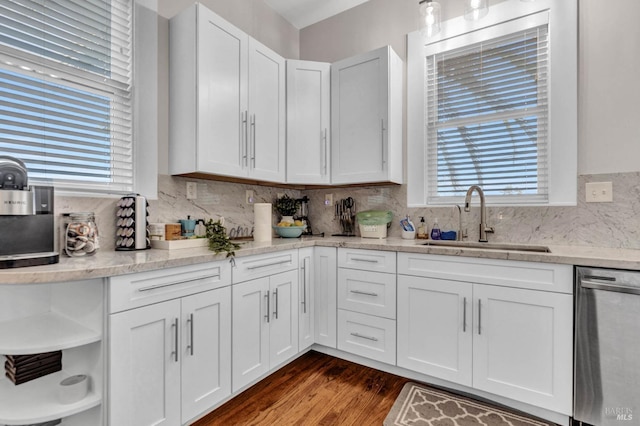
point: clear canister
(81, 234)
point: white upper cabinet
(227, 100)
(366, 118)
(308, 122)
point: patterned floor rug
(419, 405)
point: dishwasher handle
(620, 288)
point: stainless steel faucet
(461, 234)
(484, 229)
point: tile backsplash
(615, 224)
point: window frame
(562, 89)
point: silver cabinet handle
(357, 259)
(269, 264)
(275, 312)
(154, 287)
(464, 315)
(190, 322)
(304, 285)
(373, 339)
(176, 349)
(366, 293)
(382, 130)
(245, 139)
(479, 317)
(253, 141)
(324, 138)
(266, 296)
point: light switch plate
(248, 195)
(599, 192)
(328, 200)
(192, 190)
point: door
(325, 282)
(359, 118)
(308, 122)
(305, 295)
(222, 57)
(266, 113)
(250, 346)
(435, 327)
(522, 345)
(206, 351)
(283, 323)
(144, 377)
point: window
(66, 91)
(487, 118)
(488, 114)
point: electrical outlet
(248, 195)
(192, 190)
(599, 192)
(328, 200)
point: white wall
(609, 60)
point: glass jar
(81, 235)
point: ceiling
(302, 13)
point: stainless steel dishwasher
(607, 347)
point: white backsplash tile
(615, 224)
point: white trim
(563, 92)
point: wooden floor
(315, 389)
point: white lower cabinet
(170, 344)
(512, 342)
(170, 361)
(306, 302)
(265, 325)
(325, 284)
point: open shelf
(19, 403)
(43, 333)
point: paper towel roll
(262, 222)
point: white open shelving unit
(38, 318)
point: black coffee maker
(27, 235)
(303, 214)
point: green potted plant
(287, 207)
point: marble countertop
(109, 263)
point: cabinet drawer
(145, 288)
(367, 292)
(367, 335)
(508, 273)
(262, 265)
(367, 260)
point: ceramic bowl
(289, 231)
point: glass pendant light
(429, 18)
(475, 9)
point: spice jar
(81, 235)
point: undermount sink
(488, 246)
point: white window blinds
(65, 91)
(487, 119)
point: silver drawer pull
(358, 259)
(373, 339)
(366, 293)
(153, 287)
(269, 264)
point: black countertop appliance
(27, 229)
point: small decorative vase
(287, 219)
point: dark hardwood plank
(315, 389)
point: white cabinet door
(144, 354)
(522, 345)
(308, 122)
(306, 299)
(283, 323)
(206, 351)
(266, 113)
(435, 327)
(250, 346)
(325, 280)
(366, 115)
(208, 94)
